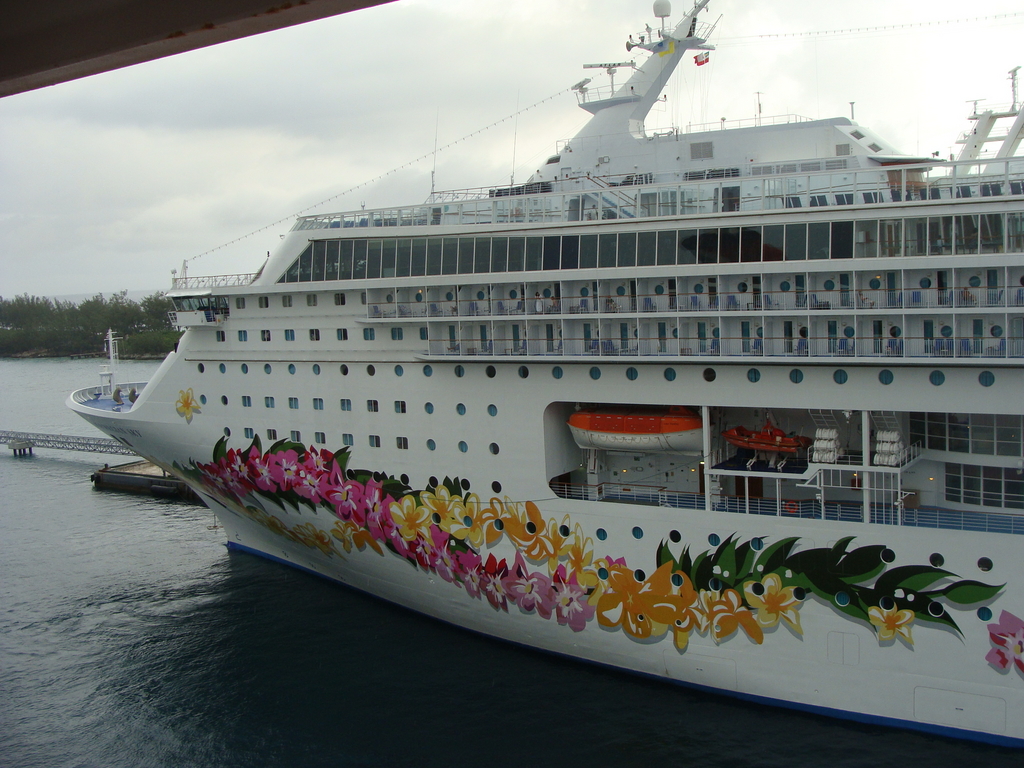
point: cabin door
(755, 486)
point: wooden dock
(143, 477)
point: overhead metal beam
(52, 41)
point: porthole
(268, 369)
(370, 370)
(601, 534)
(784, 286)
(842, 599)
(460, 371)
(524, 372)
(227, 432)
(584, 291)
(428, 371)
(659, 289)
(461, 409)
(602, 573)
(496, 488)
(830, 285)
(202, 399)
(986, 378)
(985, 564)
(632, 373)
(874, 284)
(937, 378)
(839, 376)
(491, 371)
(888, 556)
(202, 368)
(431, 445)
(715, 584)
(796, 375)
(428, 407)
(849, 331)
(291, 368)
(714, 539)
(547, 293)
(480, 295)
(621, 290)
(885, 376)
(936, 560)
(757, 588)
(946, 331)
(886, 603)
(698, 288)
(449, 296)
(936, 609)
(995, 330)
(926, 282)
(670, 374)
(492, 410)
(224, 369)
(462, 446)
(639, 575)
(709, 374)
(556, 372)
(399, 370)
(595, 373)
(493, 448)
(513, 294)
(223, 399)
(742, 287)
(753, 375)
(974, 282)
(676, 579)
(985, 613)
(757, 544)
(245, 368)
(316, 369)
(895, 331)
(638, 532)
(674, 536)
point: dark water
(130, 636)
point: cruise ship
(737, 407)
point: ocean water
(130, 636)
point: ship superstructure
(736, 406)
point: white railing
(211, 281)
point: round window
(632, 373)
(926, 282)
(709, 374)
(974, 282)
(699, 288)
(620, 291)
(986, 378)
(753, 375)
(895, 331)
(742, 287)
(874, 284)
(670, 374)
(595, 373)
(840, 376)
(885, 376)
(830, 285)
(946, 331)
(996, 330)
(784, 286)
(849, 331)
(937, 378)
(556, 372)
(796, 375)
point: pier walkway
(24, 442)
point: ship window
(311, 299)
(373, 258)
(842, 240)
(465, 262)
(937, 378)
(686, 240)
(460, 371)
(627, 249)
(369, 334)
(588, 251)
(818, 240)
(264, 302)
(289, 335)
(240, 302)
(595, 373)
(314, 334)
(246, 401)
(202, 399)
(400, 406)
(318, 404)
(796, 375)
(319, 438)
(524, 372)
(268, 402)
(396, 334)
(243, 335)
(375, 441)
(346, 404)
(753, 375)
(343, 369)
(249, 433)
(267, 369)
(482, 256)
(423, 333)
(534, 253)
(347, 439)
(428, 371)
(461, 409)
(265, 335)
(402, 443)
(450, 256)
(463, 446)
(293, 403)
(499, 254)
(874, 147)
(607, 250)
(516, 254)
(372, 406)
(647, 250)
(986, 378)
(431, 445)
(399, 370)
(557, 372)
(271, 434)
(840, 376)
(552, 254)
(221, 336)
(702, 150)
(796, 242)
(493, 448)
(296, 436)
(632, 373)
(339, 299)
(343, 334)
(286, 301)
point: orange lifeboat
(769, 439)
(672, 429)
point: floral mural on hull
(749, 587)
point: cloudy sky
(110, 182)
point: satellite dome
(662, 9)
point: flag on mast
(701, 58)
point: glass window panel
(865, 240)
(359, 260)
(588, 251)
(750, 244)
(333, 254)
(796, 242)
(319, 259)
(842, 240)
(552, 252)
(966, 233)
(403, 263)
(345, 261)
(687, 244)
(534, 253)
(992, 233)
(940, 235)
(890, 233)
(646, 248)
(306, 264)
(627, 249)
(434, 256)
(450, 256)
(707, 246)
(818, 240)
(516, 254)
(482, 255)
(608, 252)
(729, 245)
(570, 251)
(773, 241)
(667, 247)
(466, 255)
(419, 256)
(389, 256)
(499, 254)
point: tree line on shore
(34, 326)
